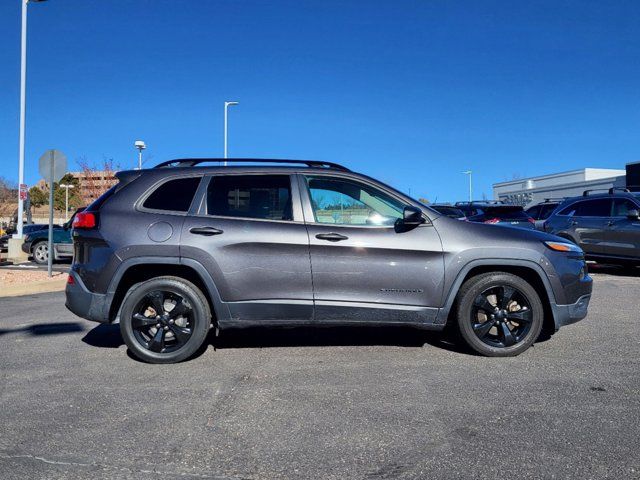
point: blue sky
(411, 92)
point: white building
(526, 191)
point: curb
(34, 287)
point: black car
(542, 210)
(605, 225)
(504, 215)
(175, 250)
(476, 207)
(31, 228)
(448, 210)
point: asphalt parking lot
(374, 403)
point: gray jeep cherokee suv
(171, 251)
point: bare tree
(95, 179)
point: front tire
(164, 320)
(40, 253)
(499, 314)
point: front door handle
(610, 223)
(206, 231)
(332, 237)
(574, 223)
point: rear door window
(264, 197)
(594, 208)
(174, 195)
(588, 208)
(622, 206)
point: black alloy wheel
(165, 319)
(162, 321)
(499, 314)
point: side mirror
(633, 215)
(411, 218)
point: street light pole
(470, 173)
(140, 145)
(226, 114)
(23, 102)
(66, 200)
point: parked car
(504, 215)
(448, 210)
(605, 225)
(30, 228)
(476, 207)
(36, 243)
(542, 210)
(171, 251)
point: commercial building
(532, 190)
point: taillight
(492, 221)
(531, 220)
(84, 220)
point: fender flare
(443, 314)
(221, 310)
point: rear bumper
(86, 304)
(568, 314)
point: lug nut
(166, 328)
(171, 321)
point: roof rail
(557, 199)
(611, 190)
(192, 162)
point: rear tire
(164, 320)
(499, 314)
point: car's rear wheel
(164, 320)
(40, 252)
(499, 314)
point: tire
(40, 253)
(507, 331)
(175, 335)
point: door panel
(377, 265)
(261, 267)
(588, 224)
(623, 234)
(364, 272)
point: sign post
(52, 166)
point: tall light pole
(470, 173)
(226, 114)
(140, 145)
(23, 102)
(66, 187)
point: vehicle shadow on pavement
(108, 336)
(46, 329)
(616, 270)
(104, 336)
(331, 337)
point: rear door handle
(206, 231)
(574, 223)
(332, 237)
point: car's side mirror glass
(633, 214)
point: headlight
(563, 247)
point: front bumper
(568, 314)
(26, 247)
(86, 304)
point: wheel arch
(139, 269)
(527, 270)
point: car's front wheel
(164, 320)
(40, 252)
(499, 314)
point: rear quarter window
(174, 195)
